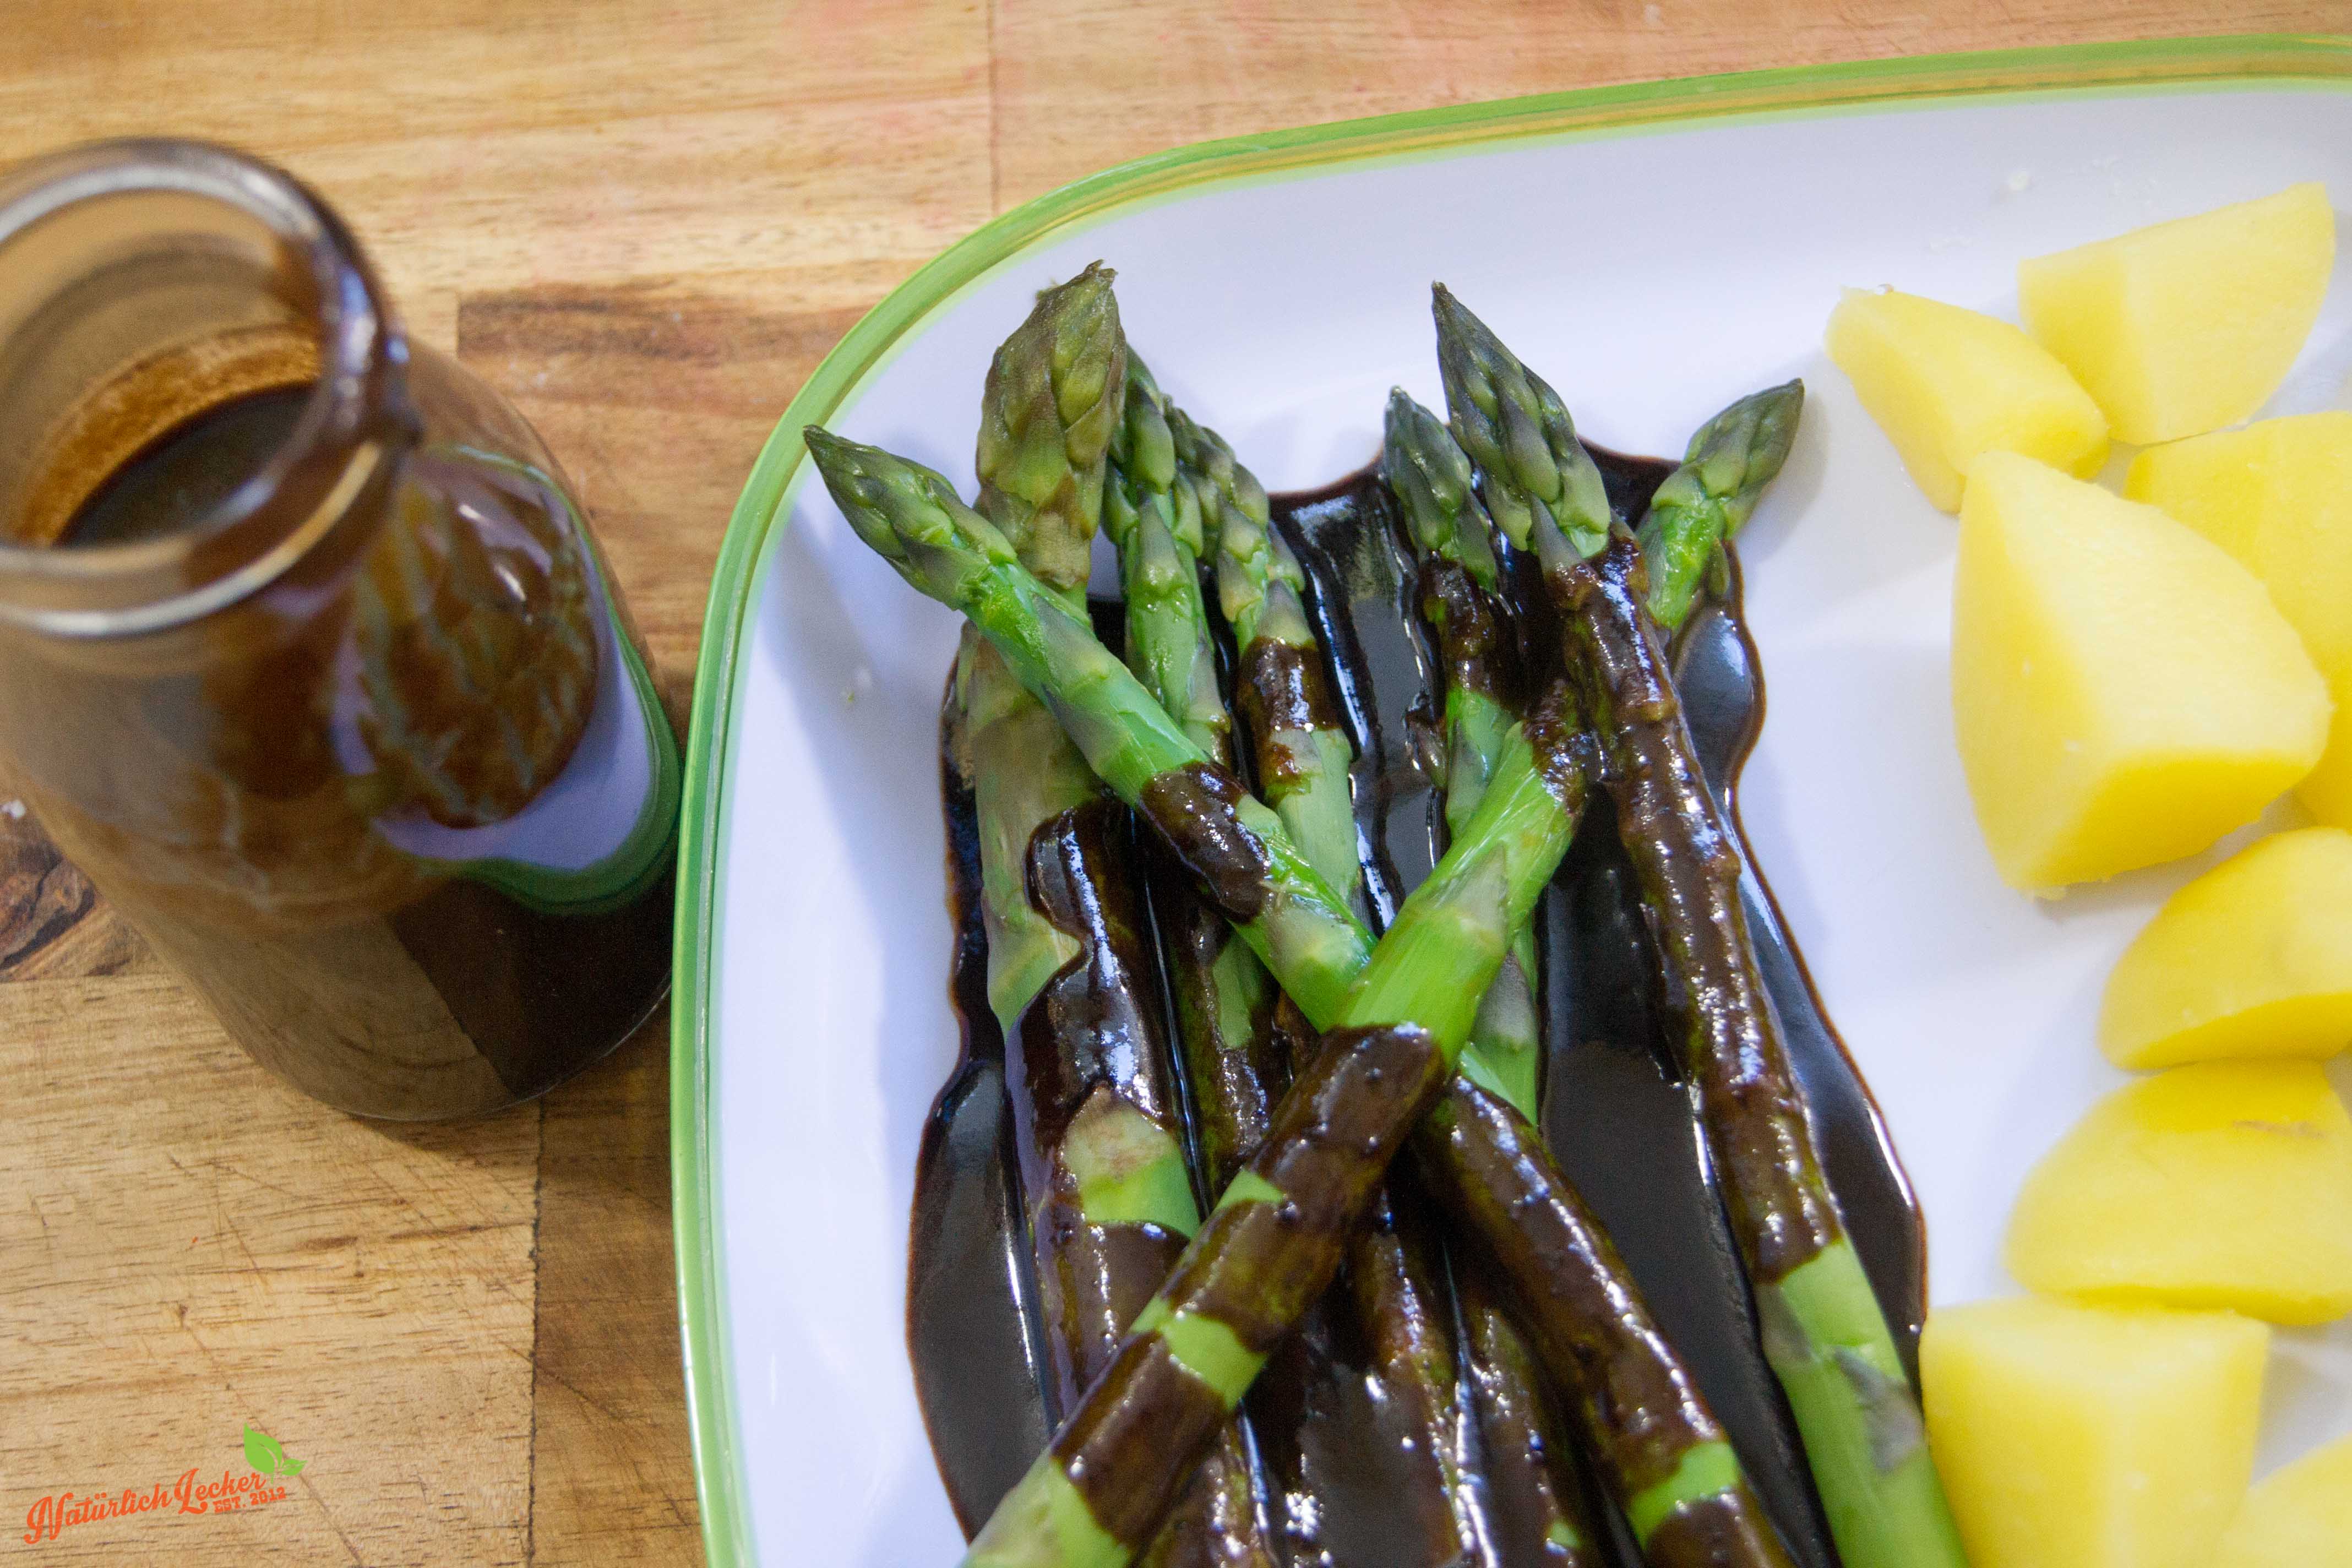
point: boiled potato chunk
(2278, 496)
(2187, 326)
(2327, 790)
(2224, 1184)
(2252, 959)
(2300, 1518)
(2123, 692)
(2073, 1437)
(1948, 386)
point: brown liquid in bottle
(188, 470)
(306, 658)
(446, 691)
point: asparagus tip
(1430, 475)
(1710, 496)
(1735, 454)
(908, 514)
(1054, 396)
(1517, 431)
(1092, 278)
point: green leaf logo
(262, 1452)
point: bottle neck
(155, 297)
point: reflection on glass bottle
(305, 655)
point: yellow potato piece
(2073, 1437)
(2325, 792)
(2187, 326)
(1948, 386)
(2252, 959)
(2225, 1184)
(2124, 693)
(2278, 496)
(2300, 1518)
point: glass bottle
(307, 659)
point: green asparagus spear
(1041, 477)
(1303, 751)
(1089, 1080)
(1095, 1121)
(1027, 778)
(1224, 1001)
(1823, 1330)
(1431, 478)
(1537, 1499)
(1704, 502)
(1401, 1014)
(1054, 390)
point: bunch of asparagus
(1427, 1035)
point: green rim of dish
(2073, 70)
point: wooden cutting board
(646, 223)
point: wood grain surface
(645, 223)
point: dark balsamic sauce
(1715, 666)
(973, 1328)
(1360, 587)
(1617, 1115)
